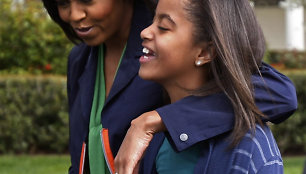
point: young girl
(105, 92)
(199, 47)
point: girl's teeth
(145, 50)
(146, 57)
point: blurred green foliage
(30, 42)
(286, 59)
(291, 134)
(33, 114)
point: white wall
(272, 21)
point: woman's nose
(147, 33)
(77, 11)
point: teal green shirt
(97, 163)
(168, 161)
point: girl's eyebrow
(162, 16)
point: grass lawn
(294, 165)
(58, 164)
(37, 164)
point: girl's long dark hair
(232, 28)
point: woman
(105, 92)
(200, 47)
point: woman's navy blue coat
(131, 96)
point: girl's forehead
(174, 8)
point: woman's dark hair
(51, 7)
(232, 28)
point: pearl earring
(198, 63)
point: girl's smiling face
(170, 50)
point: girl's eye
(65, 3)
(62, 3)
(86, 1)
(163, 28)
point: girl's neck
(178, 89)
(177, 92)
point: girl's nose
(147, 33)
(77, 11)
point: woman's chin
(92, 43)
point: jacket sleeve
(195, 119)
(275, 94)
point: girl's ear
(206, 54)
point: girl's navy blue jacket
(256, 153)
(131, 96)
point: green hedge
(286, 59)
(33, 115)
(291, 134)
(30, 42)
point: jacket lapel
(87, 82)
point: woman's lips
(83, 31)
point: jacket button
(183, 137)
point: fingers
(136, 170)
(132, 149)
(136, 142)
(128, 169)
(130, 153)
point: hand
(136, 142)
